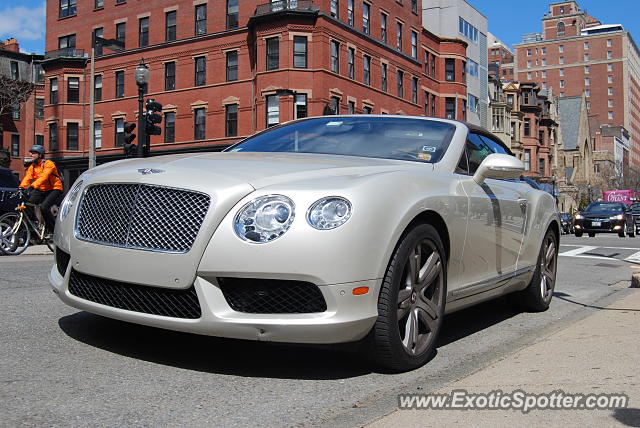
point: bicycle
(16, 228)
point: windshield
(390, 137)
(635, 206)
(604, 206)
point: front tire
(16, 243)
(537, 296)
(578, 234)
(411, 302)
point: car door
(497, 218)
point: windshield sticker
(424, 156)
(428, 149)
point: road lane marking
(578, 253)
(609, 248)
(635, 257)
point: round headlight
(69, 200)
(329, 213)
(264, 219)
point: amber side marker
(634, 267)
(360, 290)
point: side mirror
(498, 166)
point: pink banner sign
(623, 196)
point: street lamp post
(141, 74)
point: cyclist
(43, 183)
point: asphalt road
(62, 367)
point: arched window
(560, 28)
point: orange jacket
(43, 176)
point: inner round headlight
(264, 219)
(329, 213)
(69, 200)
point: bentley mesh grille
(269, 296)
(141, 216)
(136, 298)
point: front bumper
(347, 318)
(600, 226)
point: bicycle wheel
(12, 241)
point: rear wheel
(621, 234)
(537, 296)
(12, 241)
(578, 234)
(411, 302)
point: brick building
(500, 54)
(575, 54)
(224, 70)
(23, 125)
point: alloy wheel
(548, 264)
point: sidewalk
(597, 355)
(36, 250)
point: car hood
(229, 169)
(600, 213)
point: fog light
(616, 227)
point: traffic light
(153, 117)
(128, 146)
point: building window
(585, 45)
(472, 68)
(366, 9)
(97, 134)
(527, 127)
(73, 90)
(497, 124)
(562, 83)
(384, 77)
(119, 132)
(587, 82)
(366, 69)
(67, 8)
(232, 66)
(299, 52)
(350, 20)
(610, 78)
(121, 32)
(351, 55)
(609, 43)
(468, 30)
(97, 32)
(99, 4)
(561, 48)
(609, 103)
(67, 42)
(586, 57)
(543, 50)
(39, 108)
(169, 127)
(587, 92)
(527, 159)
(610, 115)
(528, 52)
(334, 7)
(53, 91)
(588, 103)
(119, 84)
(544, 62)
(609, 91)
(560, 28)
(231, 120)
(351, 107)
(72, 136)
(400, 83)
(53, 137)
(544, 74)
(450, 108)
(301, 106)
(561, 71)
(97, 88)
(426, 103)
(15, 145)
(433, 66)
(561, 60)
(169, 76)
(609, 67)
(367, 110)
(529, 64)
(15, 111)
(586, 69)
(414, 44)
(201, 19)
(143, 32)
(383, 27)
(273, 53)
(199, 124)
(414, 90)
(200, 71)
(232, 14)
(473, 103)
(335, 56)
(450, 69)
(273, 110)
(399, 36)
(171, 26)
(562, 95)
(335, 105)
(433, 105)
(15, 70)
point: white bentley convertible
(323, 230)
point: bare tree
(13, 92)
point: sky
(508, 20)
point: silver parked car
(322, 230)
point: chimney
(10, 45)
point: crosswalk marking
(635, 257)
(609, 248)
(579, 253)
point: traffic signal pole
(142, 136)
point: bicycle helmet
(37, 148)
